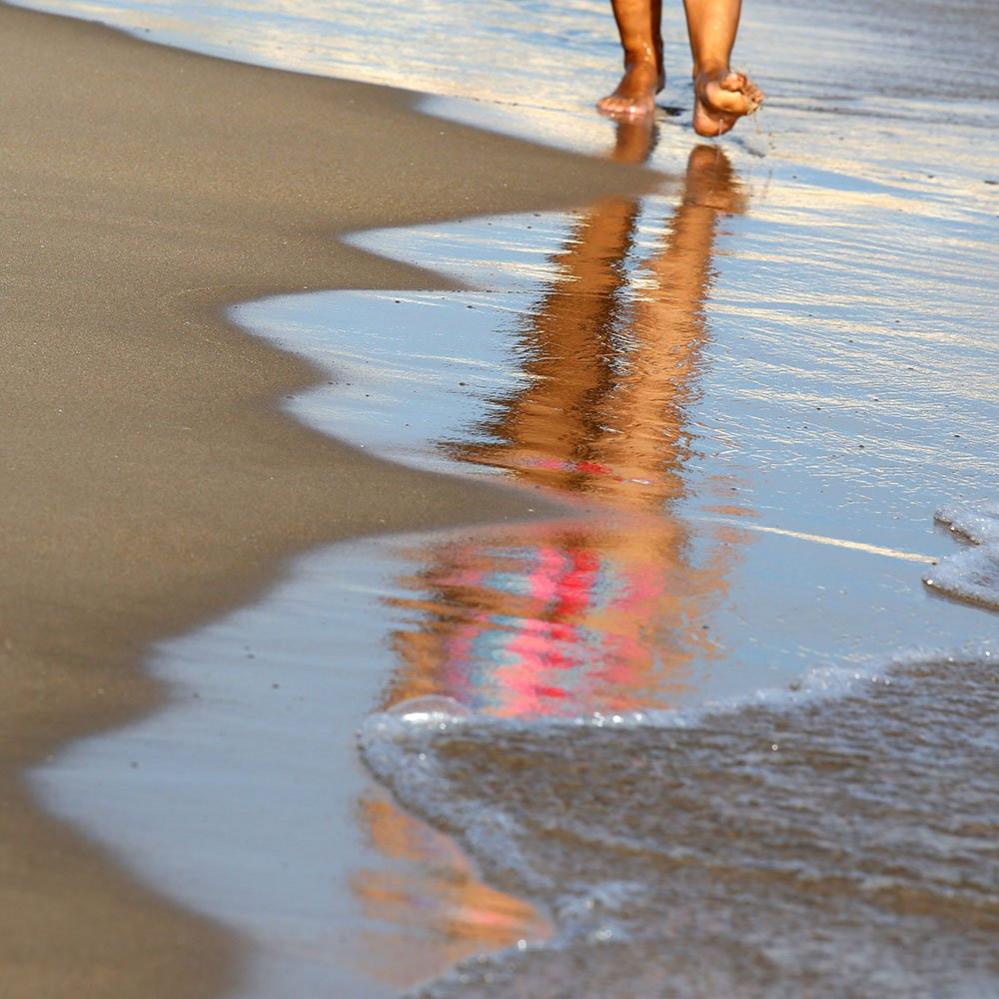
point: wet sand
(152, 482)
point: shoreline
(158, 483)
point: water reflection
(603, 613)
(430, 909)
(613, 350)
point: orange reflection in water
(430, 907)
(613, 349)
(604, 613)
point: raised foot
(635, 95)
(722, 98)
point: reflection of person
(566, 617)
(612, 349)
(428, 883)
(721, 96)
(594, 615)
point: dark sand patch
(150, 482)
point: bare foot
(635, 96)
(723, 97)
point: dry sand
(150, 481)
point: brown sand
(150, 482)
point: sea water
(724, 728)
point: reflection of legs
(683, 267)
(570, 351)
(667, 332)
(638, 26)
(634, 140)
(722, 96)
(571, 341)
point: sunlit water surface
(753, 389)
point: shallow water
(244, 798)
(753, 390)
(765, 493)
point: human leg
(638, 24)
(721, 95)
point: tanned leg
(721, 96)
(638, 24)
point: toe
(725, 100)
(734, 81)
(611, 104)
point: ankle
(643, 56)
(710, 67)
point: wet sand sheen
(153, 484)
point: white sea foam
(787, 836)
(437, 713)
(971, 574)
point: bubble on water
(434, 708)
